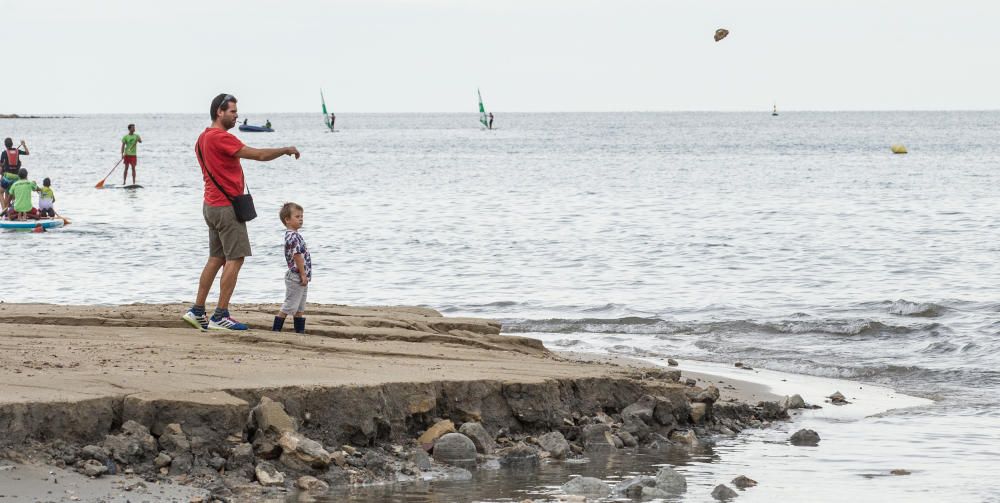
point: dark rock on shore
(795, 402)
(520, 456)
(633, 487)
(743, 482)
(555, 444)
(838, 398)
(805, 437)
(455, 449)
(479, 436)
(670, 481)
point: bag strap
(204, 167)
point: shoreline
(363, 399)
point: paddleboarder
(129, 143)
(10, 161)
(219, 153)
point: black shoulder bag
(242, 204)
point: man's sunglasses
(225, 101)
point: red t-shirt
(218, 149)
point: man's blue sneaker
(199, 321)
(225, 323)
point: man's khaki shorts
(227, 237)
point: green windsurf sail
(482, 110)
(326, 116)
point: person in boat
(129, 143)
(268, 124)
(219, 153)
(333, 120)
(245, 121)
(10, 163)
(21, 190)
(491, 120)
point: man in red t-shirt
(219, 155)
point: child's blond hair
(286, 211)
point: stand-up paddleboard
(113, 186)
(53, 223)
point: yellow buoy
(898, 149)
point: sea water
(796, 243)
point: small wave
(904, 307)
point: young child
(299, 272)
(46, 199)
(21, 190)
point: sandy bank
(157, 398)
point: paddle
(100, 184)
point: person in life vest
(10, 163)
(129, 143)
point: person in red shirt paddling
(219, 155)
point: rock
(707, 395)
(162, 459)
(616, 440)
(133, 445)
(94, 468)
(837, 398)
(455, 449)
(743, 482)
(217, 462)
(308, 451)
(586, 486)
(671, 410)
(670, 481)
(420, 458)
(175, 443)
(804, 437)
(173, 429)
(435, 432)
(479, 436)
(241, 455)
(649, 493)
(555, 444)
(899, 471)
(596, 436)
(270, 416)
(671, 362)
(268, 475)
(795, 402)
(698, 412)
(520, 456)
(181, 464)
(627, 439)
(312, 484)
(94, 452)
(690, 382)
(632, 488)
(686, 437)
(723, 493)
(642, 409)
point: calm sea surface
(796, 243)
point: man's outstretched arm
(266, 154)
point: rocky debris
(312, 484)
(804, 437)
(723, 493)
(698, 412)
(419, 458)
(479, 436)
(586, 486)
(838, 398)
(633, 487)
(270, 417)
(94, 468)
(708, 395)
(795, 402)
(455, 449)
(134, 445)
(669, 481)
(627, 439)
(596, 436)
(742, 366)
(900, 471)
(435, 432)
(684, 437)
(690, 382)
(672, 362)
(162, 460)
(642, 409)
(305, 450)
(268, 475)
(94, 452)
(555, 444)
(174, 441)
(520, 456)
(743, 482)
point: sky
(115, 56)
